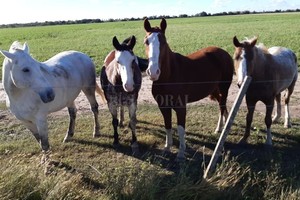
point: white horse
(35, 89)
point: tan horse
(272, 70)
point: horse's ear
(7, 54)
(236, 42)
(253, 42)
(116, 43)
(26, 47)
(131, 42)
(147, 25)
(163, 25)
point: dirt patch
(145, 97)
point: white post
(226, 129)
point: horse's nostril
(158, 72)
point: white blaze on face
(125, 60)
(153, 67)
(242, 70)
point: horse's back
(76, 66)
(213, 59)
(283, 56)
(283, 67)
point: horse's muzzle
(47, 95)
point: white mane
(15, 46)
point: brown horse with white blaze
(272, 70)
(178, 80)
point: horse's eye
(26, 70)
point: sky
(26, 11)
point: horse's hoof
(67, 139)
(268, 148)
(180, 159)
(116, 145)
(166, 151)
(45, 157)
(243, 141)
(96, 135)
(135, 149)
(287, 126)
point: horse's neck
(8, 84)
(167, 64)
(260, 64)
(112, 72)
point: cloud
(220, 3)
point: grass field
(88, 168)
(184, 35)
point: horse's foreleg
(121, 116)
(115, 122)
(249, 118)
(33, 129)
(42, 127)
(277, 114)
(72, 113)
(181, 117)
(132, 125)
(268, 121)
(167, 115)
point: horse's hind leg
(72, 113)
(90, 94)
(278, 108)
(132, 125)
(222, 99)
(287, 122)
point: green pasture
(184, 35)
(92, 168)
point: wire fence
(146, 97)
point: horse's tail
(101, 93)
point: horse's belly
(63, 99)
(188, 93)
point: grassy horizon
(184, 35)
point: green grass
(185, 35)
(88, 168)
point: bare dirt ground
(145, 97)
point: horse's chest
(23, 110)
(117, 96)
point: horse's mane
(260, 46)
(15, 46)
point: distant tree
(183, 16)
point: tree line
(87, 21)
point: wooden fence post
(226, 129)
